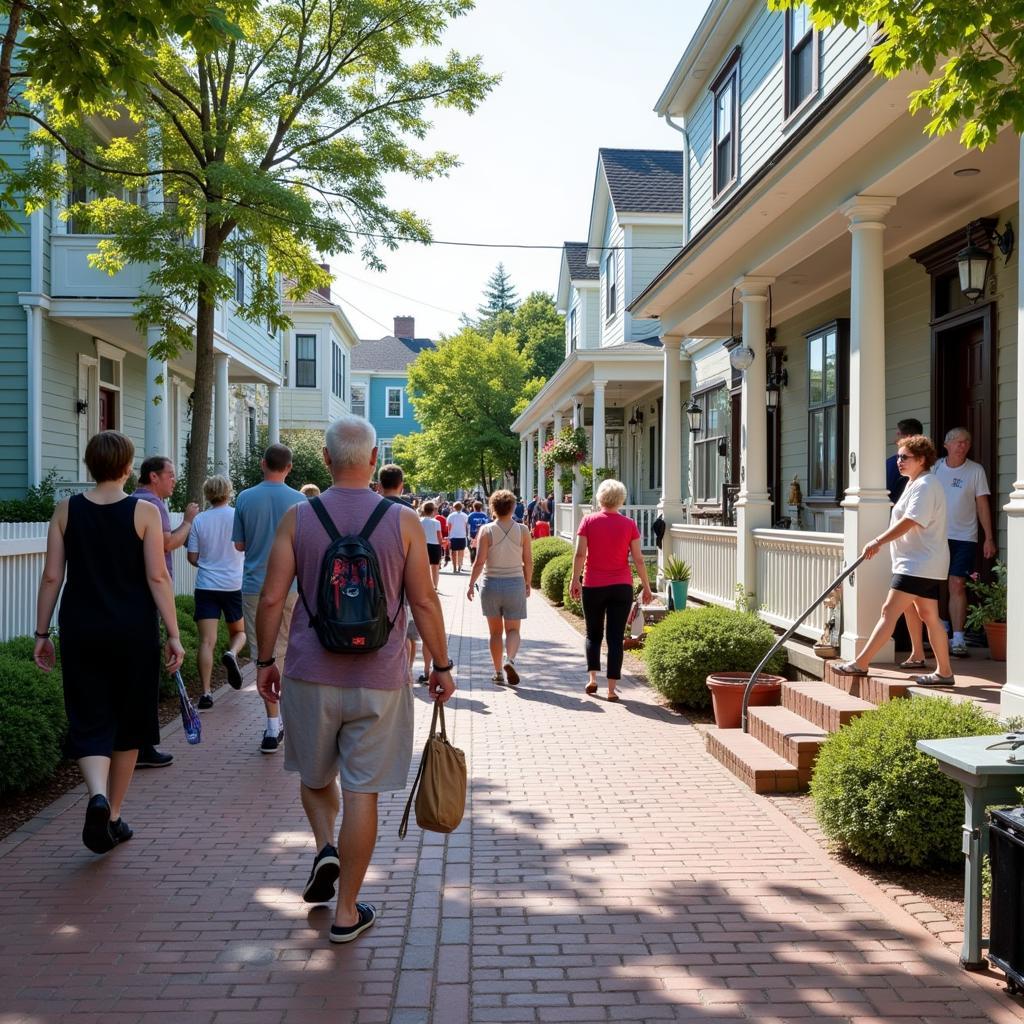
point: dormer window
(610, 271)
(801, 58)
(725, 90)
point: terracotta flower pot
(996, 634)
(727, 695)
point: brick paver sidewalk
(609, 870)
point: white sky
(577, 75)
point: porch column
(671, 505)
(1011, 700)
(522, 466)
(273, 414)
(156, 399)
(753, 505)
(529, 478)
(577, 476)
(598, 440)
(34, 306)
(866, 505)
(541, 493)
(557, 428)
(221, 403)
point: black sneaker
(271, 743)
(230, 662)
(205, 702)
(120, 831)
(150, 757)
(322, 879)
(96, 834)
(367, 915)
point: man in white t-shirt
(967, 494)
(458, 535)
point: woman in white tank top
(505, 558)
(432, 531)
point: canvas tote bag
(440, 787)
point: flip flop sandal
(934, 679)
(498, 678)
(591, 688)
(367, 915)
(849, 668)
(910, 663)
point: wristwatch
(265, 664)
(445, 668)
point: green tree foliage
(266, 149)
(542, 330)
(973, 51)
(499, 295)
(464, 393)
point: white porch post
(753, 505)
(274, 414)
(529, 478)
(1011, 700)
(34, 306)
(540, 465)
(671, 504)
(577, 476)
(522, 465)
(598, 441)
(866, 506)
(156, 399)
(221, 402)
(557, 476)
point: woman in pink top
(605, 541)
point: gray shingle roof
(644, 180)
(387, 355)
(576, 256)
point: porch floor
(978, 678)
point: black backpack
(351, 604)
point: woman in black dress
(112, 547)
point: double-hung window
(394, 403)
(305, 360)
(610, 272)
(358, 400)
(574, 329)
(826, 410)
(801, 58)
(715, 427)
(725, 91)
(337, 371)
(239, 279)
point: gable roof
(644, 180)
(388, 355)
(576, 262)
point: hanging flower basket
(568, 448)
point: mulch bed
(17, 808)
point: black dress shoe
(150, 757)
(96, 834)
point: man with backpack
(345, 681)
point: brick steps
(777, 754)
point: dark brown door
(108, 410)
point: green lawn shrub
(553, 578)
(684, 648)
(32, 723)
(881, 798)
(544, 550)
(568, 601)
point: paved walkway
(609, 870)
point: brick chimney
(405, 327)
(326, 290)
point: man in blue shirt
(476, 519)
(258, 510)
(519, 511)
(894, 481)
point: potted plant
(677, 572)
(989, 612)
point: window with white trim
(394, 403)
(610, 272)
(715, 427)
(801, 58)
(574, 329)
(305, 360)
(725, 90)
(337, 371)
(385, 452)
(826, 400)
(357, 402)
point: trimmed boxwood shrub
(568, 602)
(553, 577)
(684, 648)
(880, 797)
(33, 723)
(544, 550)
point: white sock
(274, 725)
(958, 638)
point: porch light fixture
(82, 406)
(636, 422)
(740, 358)
(973, 262)
(694, 415)
(771, 396)
(777, 376)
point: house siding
(646, 264)
(62, 346)
(592, 317)
(389, 427)
(613, 327)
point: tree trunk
(202, 404)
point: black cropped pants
(606, 609)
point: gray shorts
(411, 632)
(364, 734)
(250, 602)
(503, 597)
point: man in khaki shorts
(258, 511)
(348, 713)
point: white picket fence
(642, 515)
(22, 555)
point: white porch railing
(563, 521)
(22, 554)
(793, 568)
(710, 551)
(642, 515)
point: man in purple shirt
(156, 484)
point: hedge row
(544, 550)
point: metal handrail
(837, 582)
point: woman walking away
(432, 531)
(218, 585)
(112, 547)
(920, 562)
(605, 542)
(458, 535)
(505, 558)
